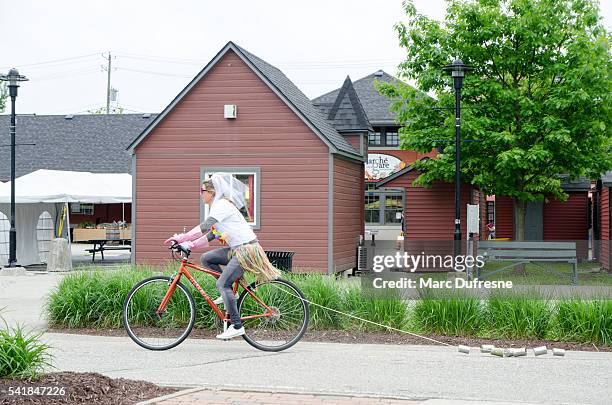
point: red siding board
(347, 207)
(504, 217)
(430, 212)
(567, 220)
(606, 229)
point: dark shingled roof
(346, 113)
(606, 179)
(377, 107)
(300, 101)
(92, 143)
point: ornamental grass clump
(22, 355)
(585, 321)
(518, 316)
(449, 315)
(324, 291)
(386, 310)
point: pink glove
(184, 237)
(198, 243)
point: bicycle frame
(185, 264)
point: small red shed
(244, 116)
(551, 219)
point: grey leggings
(231, 273)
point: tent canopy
(55, 186)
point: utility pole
(108, 85)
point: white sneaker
(231, 332)
(219, 299)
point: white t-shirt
(231, 223)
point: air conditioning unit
(230, 111)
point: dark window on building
(375, 139)
(490, 212)
(382, 207)
(371, 186)
(393, 206)
(372, 208)
(384, 136)
(392, 139)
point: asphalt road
(411, 372)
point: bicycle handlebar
(176, 247)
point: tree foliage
(3, 96)
(536, 105)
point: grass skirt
(253, 259)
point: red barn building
(241, 115)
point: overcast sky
(158, 46)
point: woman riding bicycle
(224, 194)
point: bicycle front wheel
(288, 323)
(153, 330)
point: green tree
(3, 96)
(537, 104)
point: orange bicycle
(159, 312)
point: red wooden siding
(354, 140)
(266, 134)
(504, 217)
(105, 213)
(430, 212)
(567, 220)
(348, 211)
(606, 253)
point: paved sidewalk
(203, 396)
(394, 371)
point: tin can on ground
(559, 352)
(464, 349)
(538, 351)
(519, 352)
(486, 348)
(499, 352)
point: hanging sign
(380, 166)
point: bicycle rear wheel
(289, 322)
(155, 331)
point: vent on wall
(230, 111)
(69, 117)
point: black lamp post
(13, 78)
(457, 70)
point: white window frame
(206, 172)
(80, 209)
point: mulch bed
(78, 388)
(340, 336)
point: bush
(325, 291)
(585, 321)
(22, 355)
(516, 316)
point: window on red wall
(250, 178)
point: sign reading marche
(380, 166)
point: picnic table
(100, 245)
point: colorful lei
(218, 235)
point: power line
(51, 61)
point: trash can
(281, 260)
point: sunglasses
(202, 190)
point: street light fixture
(457, 70)
(13, 78)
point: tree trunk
(520, 210)
(519, 229)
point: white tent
(47, 191)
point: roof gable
(346, 113)
(376, 106)
(282, 86)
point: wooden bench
(528, 252)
